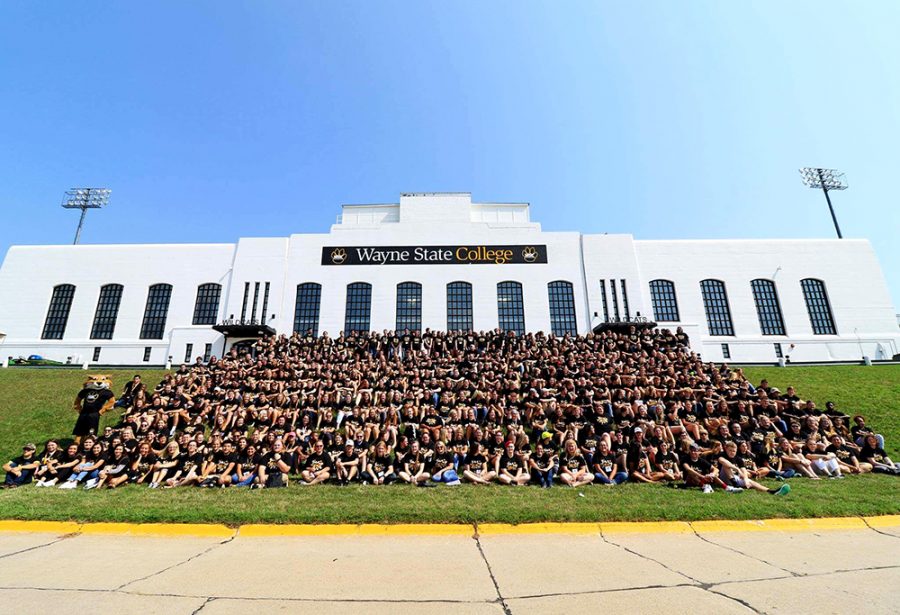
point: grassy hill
(36, 404)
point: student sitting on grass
(573, 469)
(732, 472)
(48, 462)
(19, 470)
(873, 454)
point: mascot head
(98, 382)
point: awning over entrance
(243, 328)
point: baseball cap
(638, 430)
(30, 446)
(546, 435)
(694, 447)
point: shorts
(87, 423)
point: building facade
(440, 261)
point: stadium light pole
(85, 199)
(826, 179)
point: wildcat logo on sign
(434, 255)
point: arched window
(562, 308)
(771, 321)
(459, 306)
(58, 312)
(665, 303)
(510, 307)
(156, 311)
(206, 308)
(306, 310)
(358, 307)
(820, 316)
(715, 302)
(107, 312)
(409, 306)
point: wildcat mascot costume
(94, 398)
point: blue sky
(216, 120)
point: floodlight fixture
(825, 180)
(85, 199)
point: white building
(441, 261)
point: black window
(147, 350)
(778, 351)
(562, 308)
(255, 301)
(615, 299)
(358, 308)
(715, 302)
(156, 311)
(58, 312)
(97, 350)
(459, 306)
(817, 305)
(510, 307)
(726, 351)
(244, 304)
(188, 351)
(206, 307)
(771, 321)
(625, 300)
(306, 309)
(605, 302)
(107, 312)
(665, 303)
(263, 317)
(207, 352)
(409, 306)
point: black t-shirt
(345, 458)
(573, 463)
(380, 465)
(248, 464)
(145, 463)
(93, 400)
(667, 462)
(606, 462)
(188, 463)
(843, 453)
(510, 463)
(316, 463)
(701, 465)
(442, 460)
(270, 461)
(876, 454)
(477, 463)
(223, 460)
(48, 458)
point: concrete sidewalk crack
(41, 546)
(876, 530)
(177, 564)
(733, 550)
(202, 606)
(500, 600)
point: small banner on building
(434, 255)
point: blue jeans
(544, 478)
(243, 483)
(618, 478)
(85, 474)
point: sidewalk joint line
(733, 550)
(500, 600)
(175, 565)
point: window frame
(662, 303)
(57, 319)
(459, 306)
(206, 305)
(358, 307)
(818, 307)
(511, 317)
(563, 317)
(307, 308)
(768, 307)
(719, 321)
(156, 311)
(409, 292)
(107, 312)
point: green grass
(36, 405)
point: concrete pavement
(815, 566)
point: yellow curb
(646, 527)
(424, 529)
(159, 529)
(489, 529)
(781, 525)
(884, 521)
(49, 527)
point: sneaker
(731, 489)
(50, 483)
(69, 484)
(839, 476)
(707, 489)
(91, 483)
(779, 478)
(783, 490)
(453, 483)
(40, 483)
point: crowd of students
(437, 408)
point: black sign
(434, 255)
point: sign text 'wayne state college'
(433, 255)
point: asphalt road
(661, 568)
